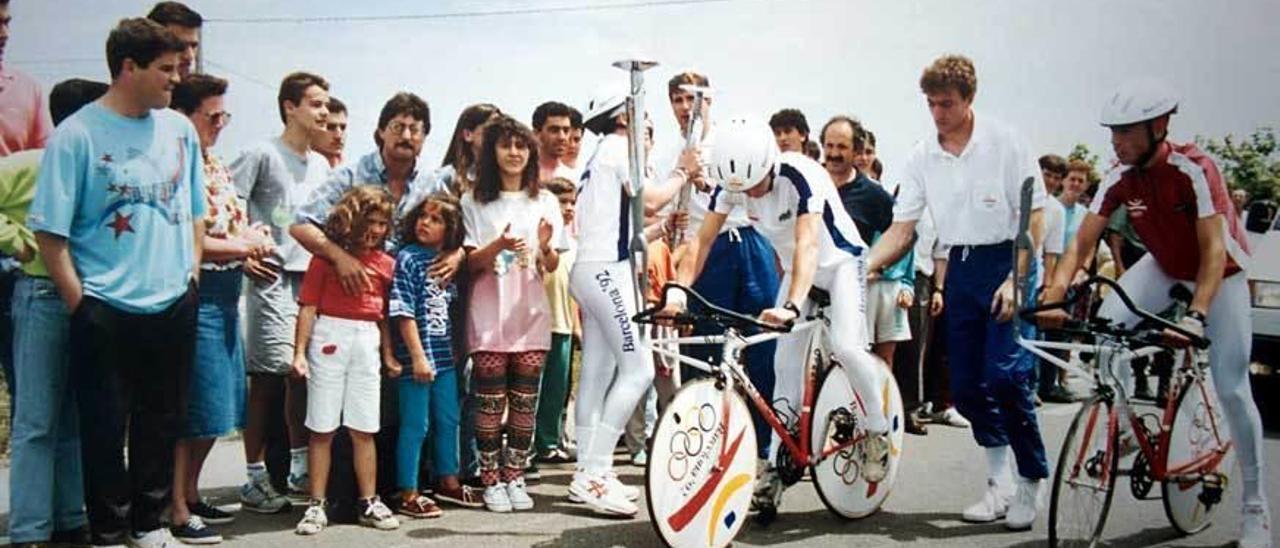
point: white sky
(1042, 66)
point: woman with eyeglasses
(216, 398)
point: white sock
(584, 435)
(998, 465)
(298, 461)
(255, 471)
(1253, 495)
(602, 448)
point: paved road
(941, 474)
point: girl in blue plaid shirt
(423, 336)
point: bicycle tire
(837, 479)
(1100, 410)
(1183, 505)
(683, 511)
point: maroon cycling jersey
(1164, 202)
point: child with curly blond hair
(341, 341)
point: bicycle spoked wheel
(1084, 482)
(838, 478)
(1199, 444)
(702, 468)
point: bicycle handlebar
(1098, 325)
(711, 312)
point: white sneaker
(1255, 527)
(156, 538)
(496, 498)
(313, 521)
(517, 496)
(993, 506)
(602, 495)
(378, 516)
(1022, 511)
(951, 417)
(875, 457)
(632, 493)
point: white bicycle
(702, 467)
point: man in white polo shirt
(969, 180)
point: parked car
(1263, 225)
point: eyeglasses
(220, 118)
(415, 130)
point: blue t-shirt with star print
(124, 192)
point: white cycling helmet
(744, 154)
(605, 104)
(1137, 101)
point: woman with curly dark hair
(505, 216)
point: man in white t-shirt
(793, 204)
(969, 177)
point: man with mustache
(118, 220)
(871, 207)
(275, 177)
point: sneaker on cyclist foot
(768, 492)
(993, 506)
(314, 520)
(259, 496)
(518, 495)
(602, 495)
(1025, 504)
(951, 417)
(496, 498)
(630, 492)
(1255, 527)
(375, 514)
(875, 456)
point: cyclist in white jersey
(792, 202)
(616, 370)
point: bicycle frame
(730, 372)
(1112, 355)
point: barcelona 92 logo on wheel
(702, 468)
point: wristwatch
(792, 307)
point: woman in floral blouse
(216, 400)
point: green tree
(1081, 152)
(1252, 164)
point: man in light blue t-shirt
(114, 214)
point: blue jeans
(427, 407)
(45, 482)
(741, 275)
(992, 381)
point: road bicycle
(1183, 445)
(702, 466)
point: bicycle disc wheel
(838, 478)
(1085, 480)
(1197, 445)
(702, 468)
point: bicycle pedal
(842, 425)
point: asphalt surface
(941, 474)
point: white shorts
(345, 381)
(886, 321)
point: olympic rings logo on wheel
(690, 442)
